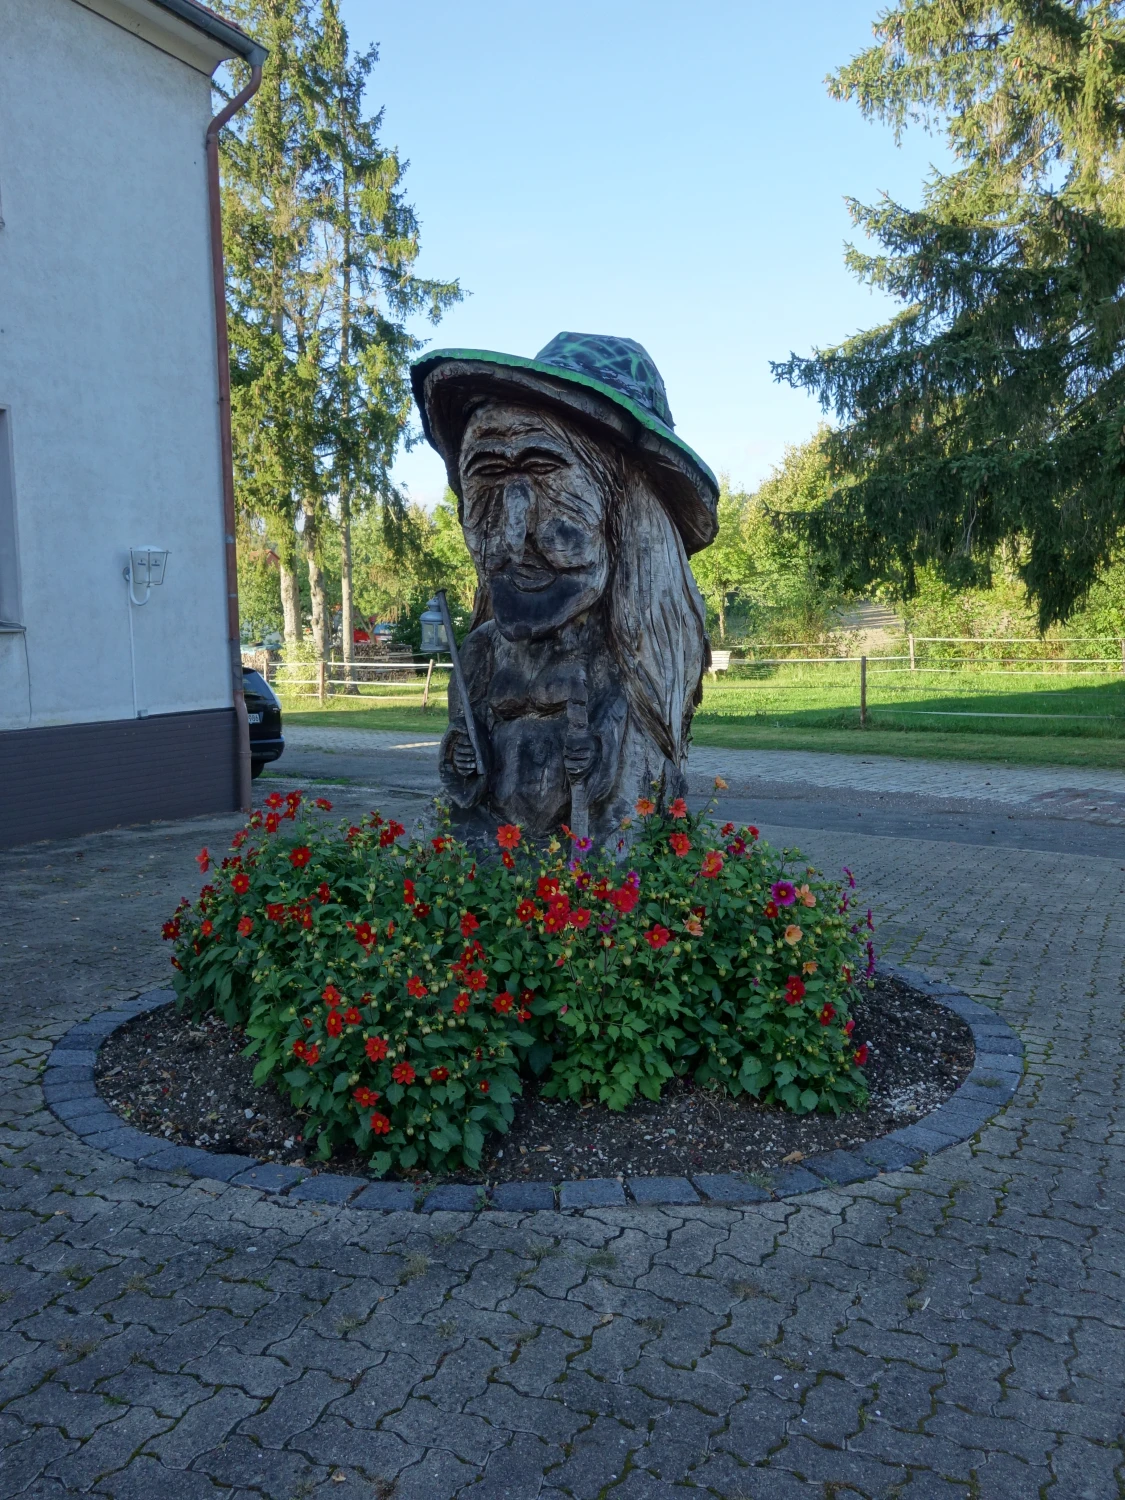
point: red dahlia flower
(546, 887)
(476, 979)
(421, 909)
(365, 1097)
(678, 809)
(203, 860)
(245, 926)
(403, 1072)
(380, 1124)
(461, 1004)
(415, 987)
(207, 928)
(625, 899)
(408, 896)
(523, 1014)
(503, 1003)
(794, 989)
(680, 843)
(770, 909)
(364, 934)
(334, 1023)
(331, 994)
(508, 860)
(273, 822)
(527, 911)
(579, 917)
(441, 843)
(657, 936)
(827, 1013)
(860, 1055)
(275, 799)
(240, 884)
(171, 930)
(737, 847)
(352, 1016)
(323, 893)
(439, 1075)
(712, 864)
(555, 920)
(376, 1048)
(726, 830)
(752, 831)
(299, 1047)
(849, 1027)
(469, 924)
(508, 835)
(324, 804)
(312, 1054)
(275, 912)
(300, 856)
(483, 1085)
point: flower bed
(398, 991)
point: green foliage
(395, 991)
(761, 577)
(990, 409)
(397, 572)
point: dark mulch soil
(188, 1082)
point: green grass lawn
(1051, 719)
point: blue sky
(672, 173)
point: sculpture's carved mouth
(529, 577)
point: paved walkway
(1078, 789)
(955, 1331)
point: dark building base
(81, 778)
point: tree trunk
(290, 603)
(347, 616)
(722, 606)
(318, 595)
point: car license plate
(253, 718)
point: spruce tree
(991, 408)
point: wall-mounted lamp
(145, 568)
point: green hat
(607, 383)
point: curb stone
(70, 1093)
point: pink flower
(784, 892)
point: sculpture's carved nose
(517, 504)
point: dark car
(264, 712)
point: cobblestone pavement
(953, 1331)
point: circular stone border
(71, 1094)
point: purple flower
(851, 877)
(784, 892)
(870, 923)
(575, 867)
(607, 924)
(583, 846)
(633, 879)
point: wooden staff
(577, 719)
(459, 678)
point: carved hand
(580, 751)
(461, 750)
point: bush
(397, 990)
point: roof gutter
(222, 350)
(229, 36)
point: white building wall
(107, 369)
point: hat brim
(446, 382)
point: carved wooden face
(534, 518)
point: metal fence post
(911, 640)
(426, 689)
(862, 692)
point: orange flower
(678, 809)
(645, 807)
(712, 864)
(810, 967)
(680, 843)
(720, 784)
(793, 934)
(508, 835)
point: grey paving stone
(386, 1197)
(55, 1073)
(327, 1187)
(594, 1192)
(841, 1166)
(58, 1093)
(795, 1180)
(77, 1109)
(169, 1158)
(926, 1138)
(722, 1188)
(662, 1190)
(523, 1197)
(123, 1135)
(889, 1153)
(269, 1176)
(73, 1057)
(453, 1197)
